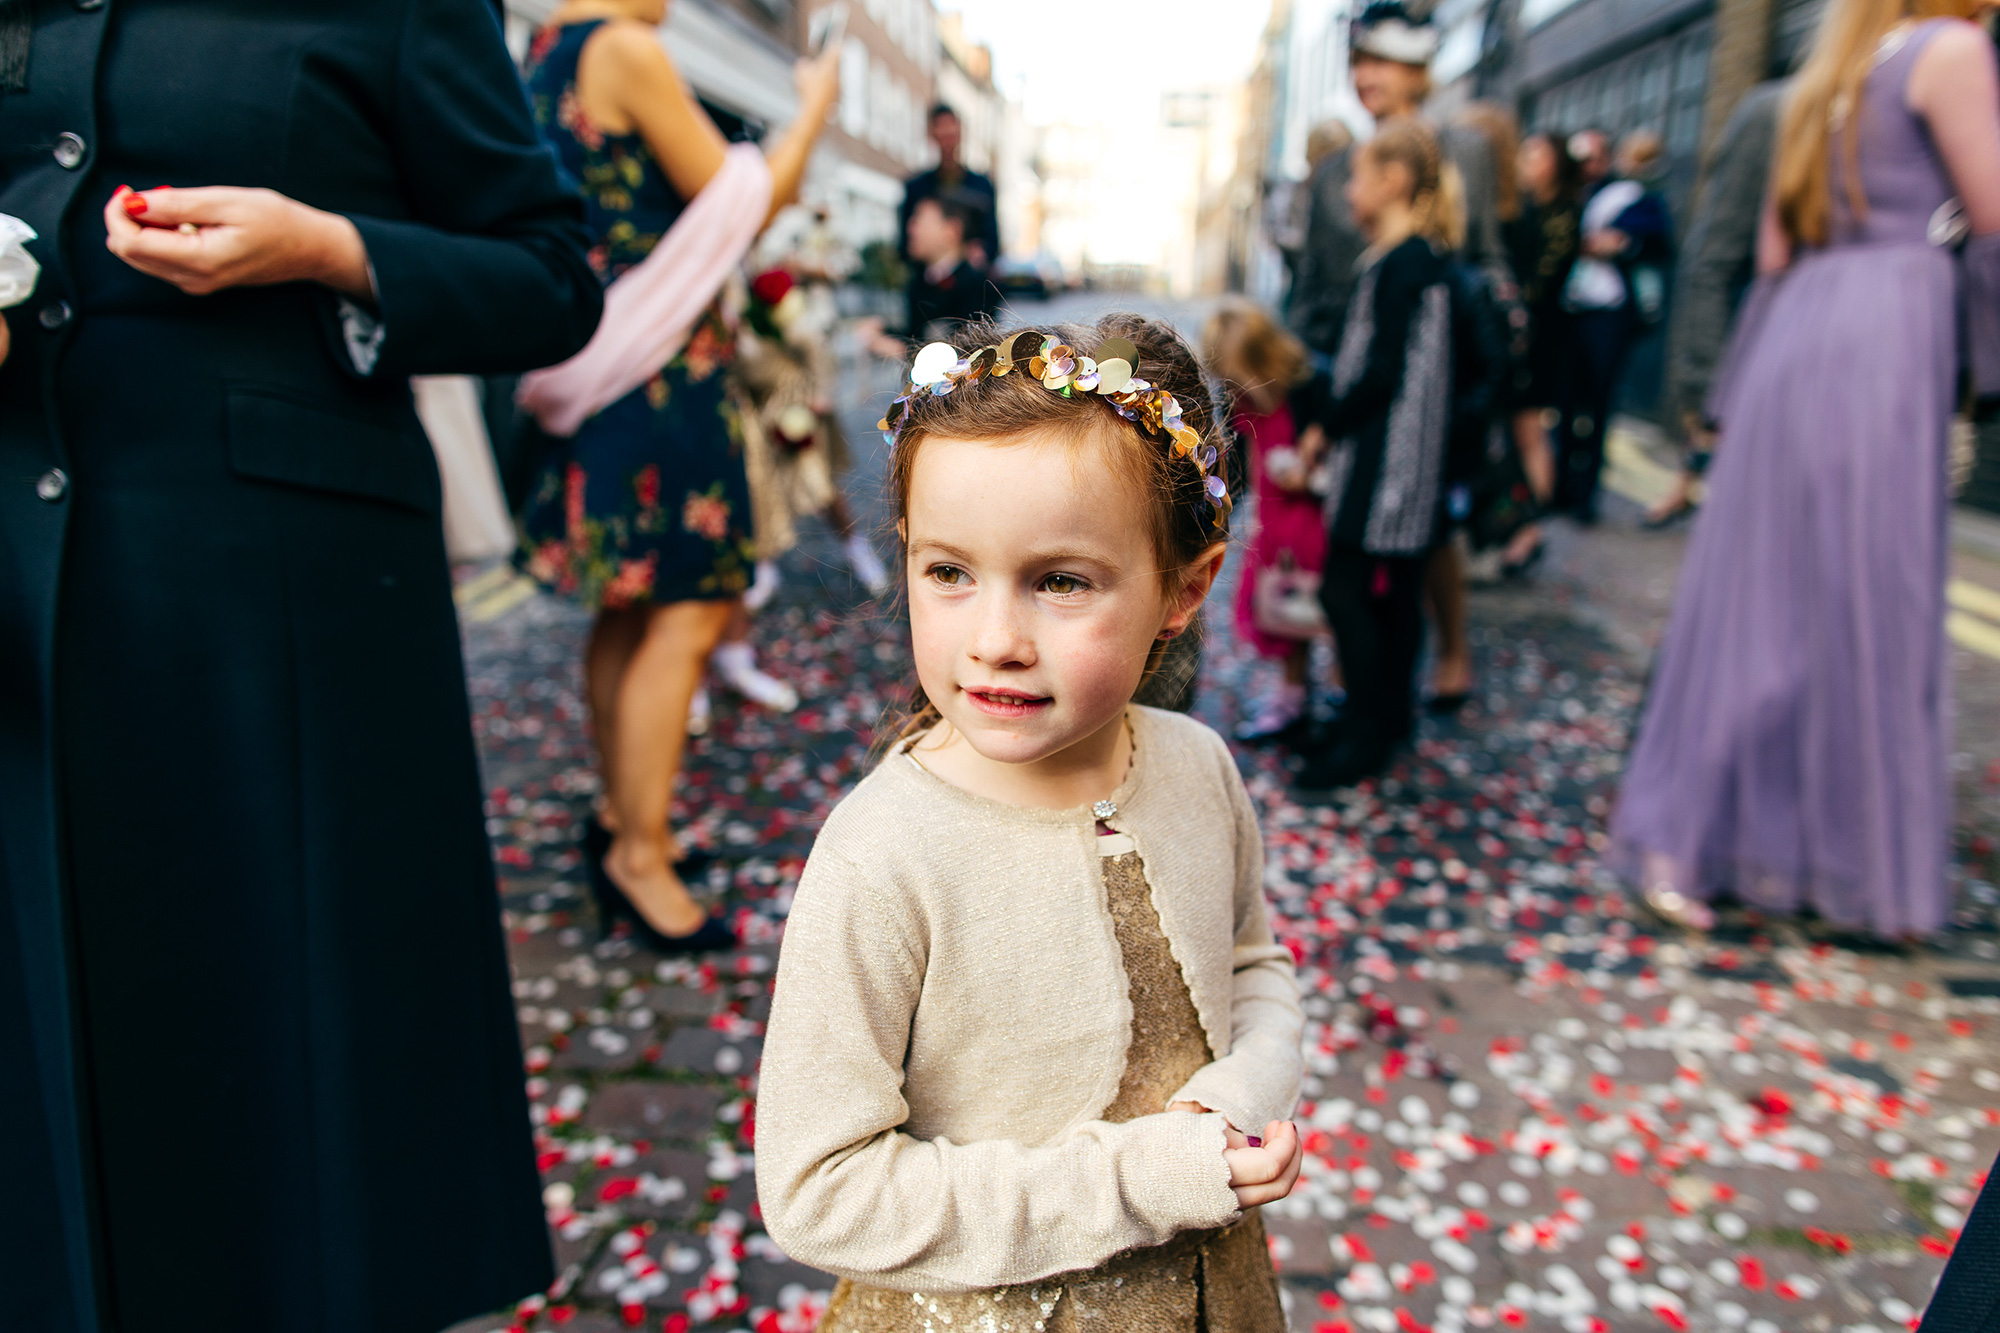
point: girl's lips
(1006, 703)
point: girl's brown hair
(1252, 353)
(1436, 195)
(1003, 407)
(1825, 101)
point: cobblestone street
(1525, 1108)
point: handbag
(1285, 602)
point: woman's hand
(215, 237)
(6, 340)
(1607, 244)
(1263, 1171)
(1311, 445)
(818, 80)
(1287, 469)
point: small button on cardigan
(951, 1018)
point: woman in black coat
(261, 1067)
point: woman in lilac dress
(1793, 747)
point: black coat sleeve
(1398, 288)
(487, 275)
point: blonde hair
(1502, 132)
(1437, 194)
(1327, 138)
(1825, 94)
(1252, 353)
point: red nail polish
(1255, 1142)
(135, 204)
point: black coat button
(69, 150)
(54, 315)
(52, 485)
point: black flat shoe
(1660, 522)
(711, 936)
(1289, 734)
(1344, 765)
(1447, 705)
(1520, 569)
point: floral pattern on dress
(648, 502)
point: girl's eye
(948, 575)
(1063, 585)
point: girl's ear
(1199, 577)
(903, 531)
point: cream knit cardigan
(951, 1017)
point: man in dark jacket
(973, 190)
(1717, 265)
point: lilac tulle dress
(1793, 745)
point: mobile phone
(832, 25)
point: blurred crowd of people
(1463, 309)
(1555, 257)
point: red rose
(771, 285)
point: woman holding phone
(644, 515)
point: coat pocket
(275, 437)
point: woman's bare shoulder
(626, 48)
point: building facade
(736, 54)
(888, 76)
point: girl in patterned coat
(1383, 426)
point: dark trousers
(1374, 605)
(1600, 340)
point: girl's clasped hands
(1261, 1170)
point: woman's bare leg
(613, 639)
(1538, 458)
(1444, 589)
(651, 713)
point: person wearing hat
(1390, 53)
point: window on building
(854, 88)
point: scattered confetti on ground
(1526, 1106)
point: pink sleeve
(1954, 86)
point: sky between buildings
(1100, 71)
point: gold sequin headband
(939, 369)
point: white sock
(736, 663)
(763, 586)
(867, 565)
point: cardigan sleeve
(487, 273)
(1258, 1080)
(844, 1189)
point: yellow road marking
(1630, 472)
(1967, 596)
(476, 587)
(1971, 632)
(501, 600)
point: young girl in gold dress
(1033, 1044)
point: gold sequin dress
(1210, 1281)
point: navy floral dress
(648, 503)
